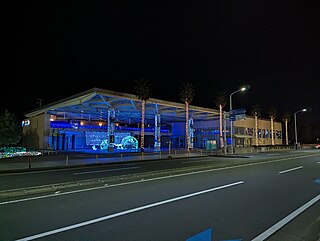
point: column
(157, 134)
(110, 130)
(272, 136)
(190, 132)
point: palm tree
(186, 95)
(143, 91)
(221, 102)
(286, 117)
(256, 112)
(272, 115)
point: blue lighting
(138, 129)
(129, 142)
(67, 125)
(25, 122)
(95, 137)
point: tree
(143, 92)
(10, 129)
(221, 101)
(256, 112)
(286, 118)
(186, 94)
(272, 113)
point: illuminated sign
(25, 123)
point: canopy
(94, 104)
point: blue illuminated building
(102, 119)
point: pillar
(110, 130)
(157, 134)
(190, 132)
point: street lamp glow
(231, 124)
(295, 125)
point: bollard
(175, 153)
(67, 158)
(97, 158)
(160, 154)
(121, 157)
(29, 162)
(200, 152)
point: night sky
(58, 49)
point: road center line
(108, 170)
(115, 215)
(289, 170)
(286, 220)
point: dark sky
(61, 48)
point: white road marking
(115, 215)
(289, 170)
(286, 220)
(154, 179)
(106, 186)
(107, 170)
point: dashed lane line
(290, 170)
(115, 215)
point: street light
(295, 126)
(231, 121)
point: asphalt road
(237, 203)
(46, 175)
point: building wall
(209, 130)
(264, 129)
(34, 135)
(39, 135)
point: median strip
(107, 170)
(93, 184)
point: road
(237, 202)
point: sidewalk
(69, 159)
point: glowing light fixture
(295, 125)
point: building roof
(94, 103)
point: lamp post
(230, 107)
(295, 126)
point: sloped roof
(94, 103)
